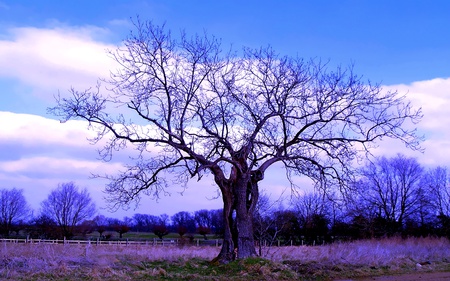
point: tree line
(391, 196)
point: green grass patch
(199, 269)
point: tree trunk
(239, 204)
(245, 201)
(227, 252)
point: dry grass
(92, 262)
(115, 262)
(369, 252)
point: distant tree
(164, 219)
(444, 225)
(19, 225)
(287, 225)
(266, 227)
(315, 228)
(392, 185)
(437, 187)
(160, 230)
(44, 227)
(120, 226)
(217, 222)
(13, 209)
(212, 112)
(204, 230)
(203, 218)
(87, 227)
(68, 206)
(159, 225)
(181, 230)
(101, 224)
(183, 222)
(143, 222)
(311, 204)
(314, 211)
(437, 183)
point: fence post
(198, 242)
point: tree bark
(227, 251)
(245, 201)
(239, 199)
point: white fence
(154, 242)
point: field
(141, 262)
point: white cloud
(31, 130)
(433, 97)
(57, 168)
(37, 153)
(57, 58)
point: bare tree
(183, 222)
(208, 111)
(437, 182)
(392, 185)
(101, 223)
(13, 208)
(68, 206)
(310, 204)
(120, 226)
(266, 228)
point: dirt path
(419, 276)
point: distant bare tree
(203, 219)
(68, 206)
(13, 209)
(120, 226)
(310, 204)
(44, 227)
(183, 222)
(233, 117)
(86, 227)
(160, 230)
(392, 186)
(101, 224)
(266, 228)
(437, 182)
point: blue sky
(47, 47)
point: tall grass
(120, 262)
(368, 252)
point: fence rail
(154, 242)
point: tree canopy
(210, 111)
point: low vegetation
(141, 262)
